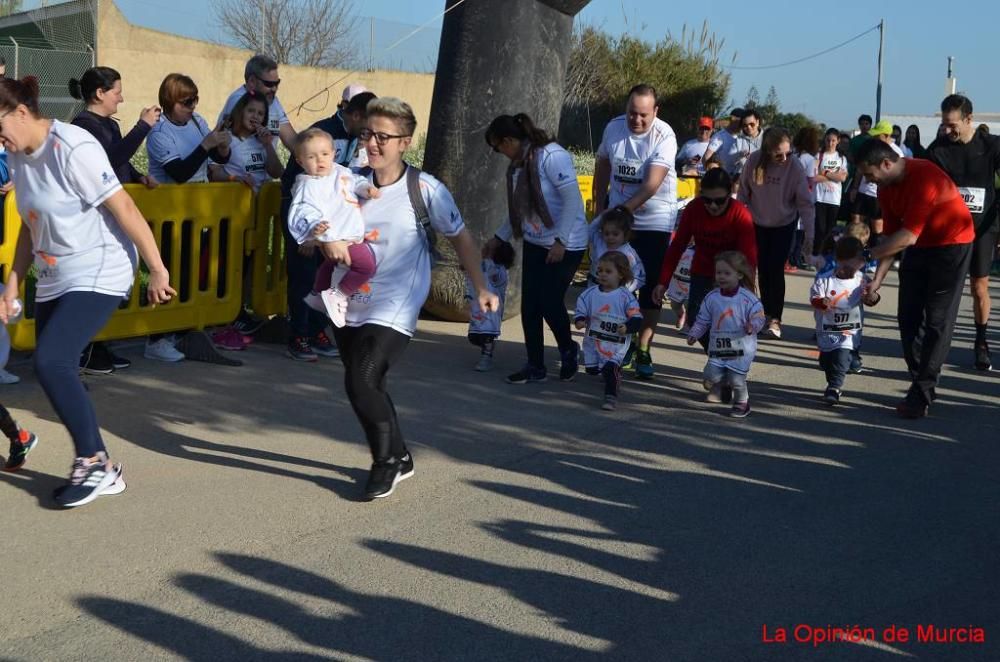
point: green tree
(602, 68)
(8, 7)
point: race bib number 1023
(628, 171)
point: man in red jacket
(924, 213)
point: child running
(611, 231)
(610, 313)
(680, 286)
(836, 298)
(732, 315)
(484, 326)
(325, 209)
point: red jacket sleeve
(678, 243)
(746, 233)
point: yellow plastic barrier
(688, 187)
(200, 231)
(586, 183)
(266, 243)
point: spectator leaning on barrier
(261, 76)
(101, 89)
(252, 159)
(83, 231)
(689, 159)
(308, 338)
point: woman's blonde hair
(772, 138)
(394, 109)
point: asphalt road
(536, 527)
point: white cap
(352, 91)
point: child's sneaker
(592, 370)
(831, 396)
(485, 363)
(740, 409)
(643, 364)
(19, 450)
(610, 402)
(335, 306)
(8, 378)
(714, 394)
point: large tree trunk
(495, 58)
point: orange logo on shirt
(838, 297)
(48, 259)
(728, 313)
(365, 289)
(606, 308)
(32, 216)
(371, 236)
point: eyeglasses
(380, 138)
(190, 102)
(269, 83)
(715, 202)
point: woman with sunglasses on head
(545, 209)
(775, 187)
(81, 230)
(716, 222)
(101, 89)
(181, 144)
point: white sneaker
(314, 301)
(485, 363)
(163, 350)
(336, 306)
(8, 378)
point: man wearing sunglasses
(261, 75)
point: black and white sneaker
(528, 375)
(983, 359)
(570, 362)
(384, 476)
(91, 476)
(831, 396)
(96, 360)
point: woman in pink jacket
(776, 189)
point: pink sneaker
(336, 306)
(228, 338)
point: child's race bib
(727, 346)
(842, 320)
(606, 329)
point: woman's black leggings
(367, 353)
(826, 221)
(543, 292)
(773, 245)
(63, 327)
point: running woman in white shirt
(325, 208)
(82, 230)
(484, 325)
(636, 168)
(252, 158)
(836, 298)
(381, 321)
(610, 314)
(732, 315)
(261, 79)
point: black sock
(980, 334)
(8, 426)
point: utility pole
(878, 91)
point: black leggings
(368, 352)
(826, 220)
(543, 292)
(63, 327)
(773, 245)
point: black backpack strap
(420, 211)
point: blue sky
(834, 88)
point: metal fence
(53, 69)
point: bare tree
(8, 7)
(311, 33)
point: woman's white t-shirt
(631, 156)
(557, 174)
(61, 188)
(168, 142)
(394, 296)
(830, 193)
(248, 157)
(808, 162)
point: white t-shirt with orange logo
(839, 326)
(394, 296)
(725, 318)
(78, 244)
(606, 314)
